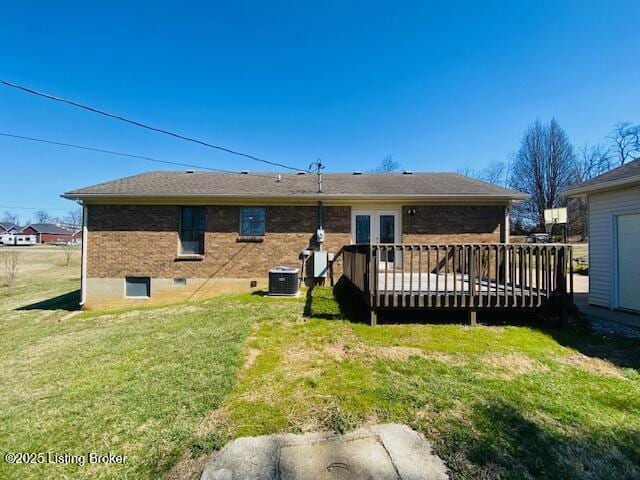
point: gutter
(596, 187)
(311, 197)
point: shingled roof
(48, 228)
(296, 186)
(618, 177)
(6, 226)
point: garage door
(629, 262)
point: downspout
(83, 268)
(507, 223)
(320, 208)
(320, 222)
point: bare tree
(495, 173)
(543, 167)
(42, 217)
(591, 161)
(74, 217)
(69, 249)
(10, 261)
(10, 217)
(388, 164)
(625, 142)
(468, 172)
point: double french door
(377, 226)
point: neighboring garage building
(48, 233)
(614, 236)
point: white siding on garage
(603, 207)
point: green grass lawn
(166, 385)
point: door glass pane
(388, 235)
(387, 229)
(363, 228)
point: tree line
(73, 218)
(546, 164)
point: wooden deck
(460, 276)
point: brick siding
(142, 240)
(433, 224)
(132, 240)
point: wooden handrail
(460, 275)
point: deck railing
(460, 276)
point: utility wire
(130, 155)
(142, 125)
(34, 208)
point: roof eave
(493, 197)
(581, 190)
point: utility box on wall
(320, 264)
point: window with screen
(192, 231)
(252, 223)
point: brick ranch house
(48, 233)
(163, 236)
(8, 227)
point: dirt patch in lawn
(188, 468)
(355, 349)
(299, 355)
(593, 365)
(217, 420)
(250, 357)
(513, 364)
(351, 348)
(447, 358)
(181, 310)
(341, 351)
(398, 352)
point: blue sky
(438, 85)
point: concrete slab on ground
(336, 459)
(389, 451)
(595, 313)
(581, 299)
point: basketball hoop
(555, 216)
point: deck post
(472, 316)
(564, 314)
(373, 317)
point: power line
(142, 125)
(129, 155)
(35, 208)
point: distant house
(77, 236)
(8, 227)
(48, 233)
(614, 236)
